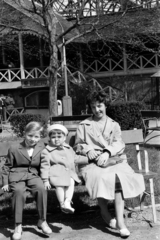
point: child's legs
(119, 209)
(18, 199)
(60, 194)
(40, 194)
(69, 190)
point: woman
(108, 175)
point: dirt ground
(86, 225)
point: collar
(27, 146)
(52, 148)
(89, 120)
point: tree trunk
(53, 66)
(53, 109)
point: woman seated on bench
(108, 175)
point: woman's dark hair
(97, 96)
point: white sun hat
(57, 127)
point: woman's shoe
(124, 232)
(17, 232)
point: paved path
(84, 226)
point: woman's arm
(117, 146)
(81, 147)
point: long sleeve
(89, 137)
(79, 159)
(7, 166)
(45, 165)
(81, 147)
(116, 146)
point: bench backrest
(128, 136)
(150, 113)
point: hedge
(127, 114)
(19, 122)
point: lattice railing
(111, 65)
(14, 74)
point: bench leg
(153, 200)
(142, 197)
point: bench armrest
(147, 119)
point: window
(38, 99)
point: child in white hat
(58, 168)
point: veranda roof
(31, 23)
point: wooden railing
(141, 64)
(109, 67)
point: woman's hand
(47, 185)
(5, 188)
(92, 154)
(102, 159)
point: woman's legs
(103, 204)
(119, 209)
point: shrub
(19, 122)
(127, 114)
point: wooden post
(157, 90)
(21, 55)
(67, 100)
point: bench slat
(132, 136)
(146, 175)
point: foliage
(127, 114)
(19, 122)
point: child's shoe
(66, 207)
(42, 224)
(63, 209)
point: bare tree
(42, 18)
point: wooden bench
(130, 137)
(148, 115)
